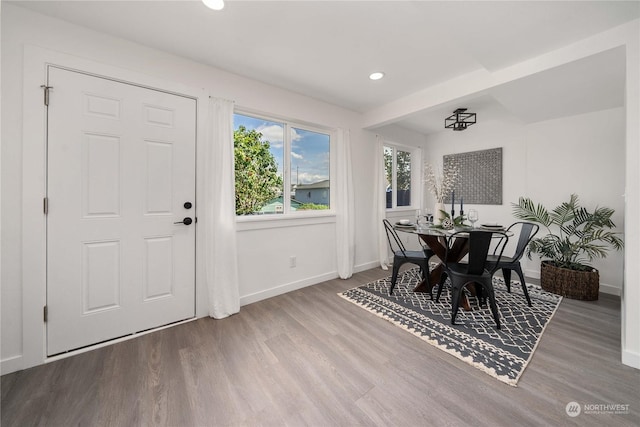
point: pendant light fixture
(460, 120)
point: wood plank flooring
(311, 358)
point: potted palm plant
(575, 237)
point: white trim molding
(630, 358)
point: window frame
(416, 176)
(288, 124)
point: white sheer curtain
(219, 217)
(345, 222)
(380, 202)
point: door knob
(185, 221)
(188, 205)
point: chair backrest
(392, 237)
(479, 244)
(528, 230)
(503, 239)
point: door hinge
(46, 93)
(45, 313)
(45, 205)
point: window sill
(259, 222)
(402, 209)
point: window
(281, 167)
(400, 175)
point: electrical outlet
(292, 261)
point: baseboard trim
(287, 287)
(534, 274)
(11, 364)
(293, 286)
(366, 266)
(630, 358)
(609, 289)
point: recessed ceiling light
(376, 76)
(214, 4)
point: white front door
(121, 174)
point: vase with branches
(440, 184)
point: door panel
(121, 164)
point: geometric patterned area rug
(502, 353)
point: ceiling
(590, 84)
(327, 49)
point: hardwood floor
(311, 358)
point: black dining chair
(528, 231)
(402, 256)
(477, 270)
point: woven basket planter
(582, 285)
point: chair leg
(492, 303)
(524, 285)
(506, 273)
(480, 294)
(443, 278)
(455, 302)
(425, 277)
(394, 276)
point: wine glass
(473, 217)
(428, 216)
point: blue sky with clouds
(309, 150)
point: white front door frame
(34, 176)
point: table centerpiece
(440, 185)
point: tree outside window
(398, 173)
(256, 170)
(263, 150)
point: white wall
(582, 155)
(401, 135)
(263, 253)
(548, 161)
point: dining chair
(402, 256)
(476, 270)
(528, 231)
